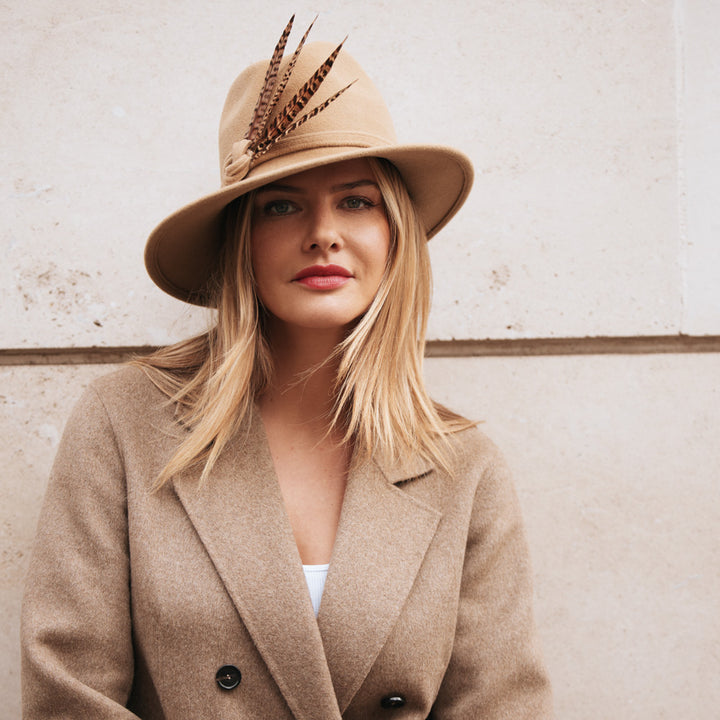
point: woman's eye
(279, 207)
(357, 203)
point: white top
(315, 576)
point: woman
(193, 489)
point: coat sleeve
(495, 670)
(77, 655)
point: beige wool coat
(135, 600)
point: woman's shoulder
(477, 484)
(480, 465)
(472, 447)
(126, 394)
(129, 381)
(121, 412)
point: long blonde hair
(381, 405)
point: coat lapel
(240, 518)
(383, 536)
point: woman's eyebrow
(351, 185)
(278, 187)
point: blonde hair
(381, 405)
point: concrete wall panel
(566, 108)
(698, 22)
(573, 229)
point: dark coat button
(228, 677)
(392, 701)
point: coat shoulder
(129, 384)
(480, 472)
(474, 450)
(128, 397)
(123, 408)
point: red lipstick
(323, 277)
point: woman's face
(319, 243)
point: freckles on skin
(320, 242)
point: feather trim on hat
(264, 133)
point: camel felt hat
(285, 116)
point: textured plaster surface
(615, 460)
(567, 109)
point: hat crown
(358, 118)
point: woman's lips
(323, 277)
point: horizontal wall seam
(518, 347)
(634, 345)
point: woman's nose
(323, 232)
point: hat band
(240, 160)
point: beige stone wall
(593, 128)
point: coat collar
(382, 539)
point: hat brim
(182, 251)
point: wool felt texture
(135, 599)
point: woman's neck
(311, 458)
(301, 389)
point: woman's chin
(325, 323)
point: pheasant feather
(263, 133)
(279, 126)
(286, 76)
(262, 110)
(264, 146)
